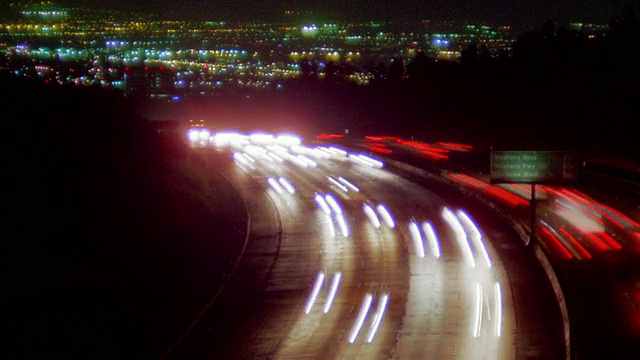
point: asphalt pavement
(322, 276)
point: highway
(590, 231)
(345, 258)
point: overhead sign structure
(533, 167)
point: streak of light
(322, 203)
(495, 190)
(381, 138)
(576, 245)
(432, 239)
(497, 295)
(274, 184)
(434, 155)
(335, 282)
(486, 303)
(332, 228)
(287, 185)
(373, 162)
(596, 241)
(255, 150)
(246, 156)
(289, 139)
(456, 146)
(275, 157)
(476, 237)
(241, 160)
(320, 153)
(342, 223)
(337, 184)
(348, 183)
(386, 216)
(296, 160)
(605, 210)
(329, 136)
(261, 138)
(578, 218)
(566, 242)
(308, 161)
(226, 138)
(337, 151)
(364, 309)
(611, 242)
(333, 203)
(299, 149)
(327, 153)
(358, 160)
(417, 239)
(477, 323)
(556, 244)
(314, 292)
(377, 317)
(372, 216)
(460, 235)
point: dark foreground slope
(112, 238)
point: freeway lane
(319, 279)
(591, 232)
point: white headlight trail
(333, 203)
(460, 235)
(417, 239)
(322, 203)
(377, 317)
(432, 239)
(372, 216)
(364, 310)
(274, 184)
(337, 184)
(386, 216)
(314, 293)
(333, 289)
(348, 184)
(287, 185)
(476, 237)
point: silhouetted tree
(484, 57)
(396, 70)
(469, 56)
(418, 68)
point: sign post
(533, 167)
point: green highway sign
(533, 167)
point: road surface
(346, 259)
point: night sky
(515, 12)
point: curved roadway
(309, 285)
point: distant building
(152, 82)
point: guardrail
(519, 227)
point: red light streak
(457, 177)
(456, 145)
(556, 244)
(576, 245)
(329, 136)
(613, 244)
(608, 208)
(434, 155)
(422, 146)
(499, 192)
(380, 149)
(599, 244)
(381, 138)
